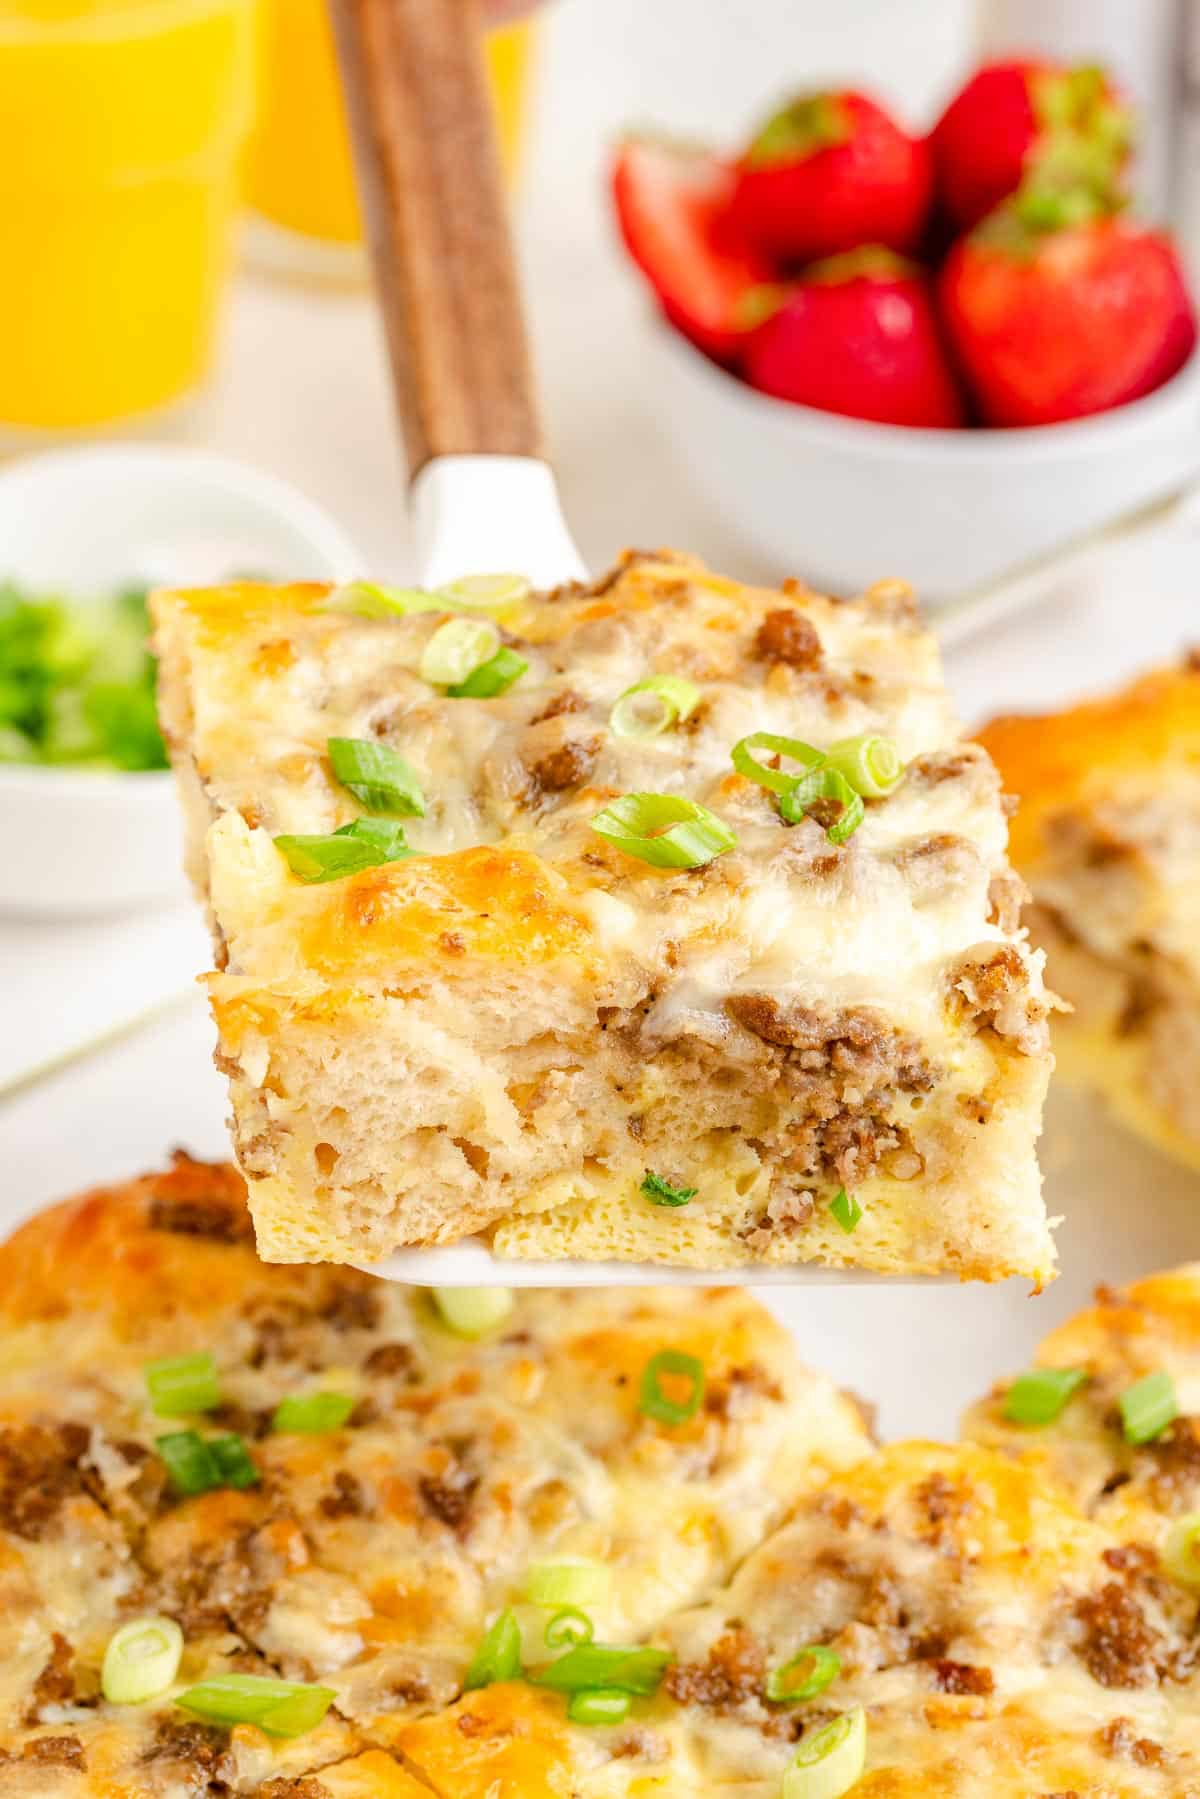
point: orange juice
(121, 125)
(299, 173)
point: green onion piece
(567, 1627)
(653, 706)
(283, 1708)
(774, 778)
(313, 1413)
(378, 777)
(654, 1403)
(1148, 1407)
(367, 599)
(232, 1462)
(471, 1311)
(384, 835)
(498, 1656)
(598, 1705)
(332, 858)
(573, 1581)
(493, 592)
(188, 1461)
(591, 1665)
(824, 784)
(830, 1761)
(662, 1193)
(1038, 1396)
(141, 1661)
(363, 843)
(457, 649)
(809, 1672)
(846, 1211)
(1181, 1554)
(183, 1383)
(664, 830)
(871, 765)
(491, 678)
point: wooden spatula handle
(433, 195)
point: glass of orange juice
(121, 128)
(299, 174)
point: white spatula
(482, 497)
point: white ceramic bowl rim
(918, 443)
(217, 472)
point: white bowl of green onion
(88, 808)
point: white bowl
(843, 502)
(86, 522)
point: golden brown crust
(1001, 1609)
(370, 1557)
(1107, 836)
(1056, 762)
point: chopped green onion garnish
(569, 1626)
(653, 706)
(498, 1656)
(664, 830)
(470, 1311)
(378, 777)
(196, 1466)
(1148, 1407)
(1038, 1396)
(490, 591)
(809, 1672)
(568, 1582)
(457, 649)
(283, 1708)
(367, 599)
(777, 779)
(141, 1661)
(189, 1464)
(183, 1383)
(654, 1403)
(600, 1705)
(232, 1462)
(1181, 1555)
(591, 1665)
(846, 1210)
(363, 843)
(662, 1193)
(830, 1761)
(491, 678)
(384, 835)
(313, 1413)
(871, 765)
(824, 784)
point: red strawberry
(858, 335)
(1050, 325)
(672, 205)
(1033, 122)
(830, 172)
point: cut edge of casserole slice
(833, 1048)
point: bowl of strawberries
(942, 355)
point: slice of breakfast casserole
(661, 920)
(1108, 838)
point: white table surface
(302, 391)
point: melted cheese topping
(269, 677)
(492, 1034)
(1000, 1609)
